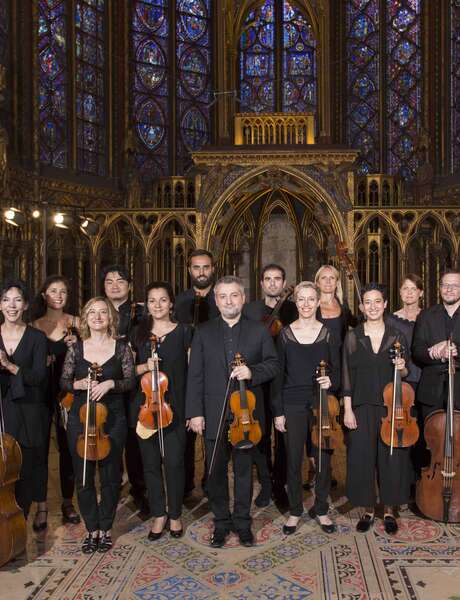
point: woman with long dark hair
(49, 315)
(24, 411)
(173, 342)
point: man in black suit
(193, 306)
(433, 329)
(273, 284)
(214, 346)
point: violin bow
(220, 427)
(397, 350)
(154, 373)
(88, 394)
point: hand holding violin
(324, 382)
(98, 390)
(197, 424)
(400, 364)
(280, 423)
(241, 372)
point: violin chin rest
(244, 445)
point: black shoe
(289, 529)
(176, 533)
(390, 524)
(153, 535)
(327, 528)
(90, 543)
(365, 522)
(69, 514)
(246, 537)
(41, 526)
(218, 538)
(105, 542)
(263, 498)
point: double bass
(438, 490)
(155, 414)
(93, 444)
(350, 268)
(399, 428)
(327, 432)
(12, 522)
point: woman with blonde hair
(332, 310)
(301, 347)
(98, 344)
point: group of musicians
(194, 339)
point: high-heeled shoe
(69, 514)
(156, 535)
(43, 524)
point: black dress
(294, 394)
(58, 350)
(407, 328)
(364, 376)
(172, 352)
(26, 414)
(120, 368)
(338, 325)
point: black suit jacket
(430, 329)
(208, 370)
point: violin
(399, 428)
(350, 268)
(93, 444)
(155, 414)
(327, 432)
(245, 431)
(272, 321)
(438, 490)
(13, 531)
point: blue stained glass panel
(52, 83)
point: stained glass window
(171, 119)
(403, 84)
(53, 83)
(395, 55)
(90, 61)
(455, 84)
(363, 82)
(277, 60)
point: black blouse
(364, 372)
(296, 385)
(119, 367)
(406, 327)
(338, 325)
(26, 414)
(172, 352)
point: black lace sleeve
(68, 370)
(334, 361)
(349, 347)
(125, 355)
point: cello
(399, 428)
(245, 431)
(155, 414)
(272, 321)
(438, 490)
(13, 532)
(93, 444)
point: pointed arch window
(277, 60)
(171, 48)
(455, 84)
(72, 48)
(384, 53)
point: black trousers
(133, 461)
(298, 425)
(190, 460)
(263, 472)
(279, 475)
(368, 457)
(217, 484)
(98, 515)
(33, 478)
(174, 471)
(66, 474)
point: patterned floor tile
(274, 588)
(174, 588)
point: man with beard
(433, 329)
(211, 374)
(193, 306)
(116, 283)
(272, 283)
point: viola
(399, 428)
(327, 432)
(13, 532)
(93, 444)
(438, 490)
(245, 431)
(272, 321)
(155, 414)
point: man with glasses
(434, 327)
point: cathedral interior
(300, 132)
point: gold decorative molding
(274, 129)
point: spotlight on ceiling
(62, 220)
(36, 213)
(13, 216)
(89, 226)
